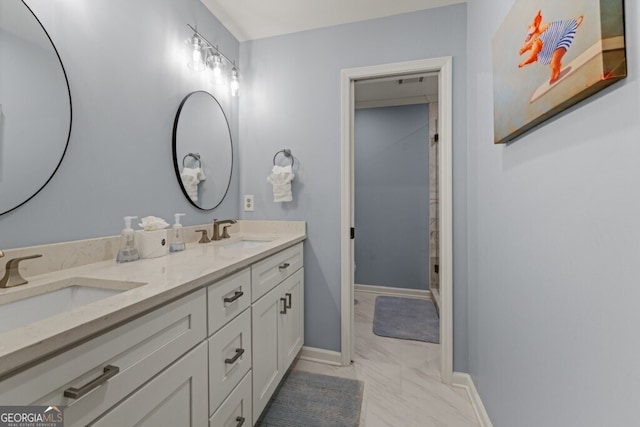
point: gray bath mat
(406, 318)
(304, 399)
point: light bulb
(235, 84)
(216, 65)
(197, 58)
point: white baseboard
(319, 355)
(401, 292)
(465, 381)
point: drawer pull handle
(235, 296)
(76, 393)
(240, 421)
(284, 306)
(288, 300)
(283, 266)
(239, 352)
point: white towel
(191, 177)
(280, 179)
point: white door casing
(442, 66)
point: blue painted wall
(126, 63)
(554, 245)
(392, 196)
(291, 98)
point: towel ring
(195, 156)
(287, 153)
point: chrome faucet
(216, 229)
(12, 275)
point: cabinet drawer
(176, 397)
(266, 274)
(228, 298)
(229, 358)
(236, 409)
(140, 349)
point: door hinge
(353, 233)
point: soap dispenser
(177, 239)
(128, 251)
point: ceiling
(397, 90)
(256, 19)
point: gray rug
(304, 399)
(406, 318)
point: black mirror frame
(66, 146)
(174, 150)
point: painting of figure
(568, 51)
(547, 43)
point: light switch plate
(248, 203)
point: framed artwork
(549, 55)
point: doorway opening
(440, 68)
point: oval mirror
(35, 106)
(202, 150)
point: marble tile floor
(401, 378)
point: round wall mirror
(35, 106)
(202, 150)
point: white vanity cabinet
(249, 355)
(213, 357)
(93, 377)
(278, 330)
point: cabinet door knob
(239, 352)
(288, 300)
(240, 421)
(284, 306)
(235, 296)
(283, 266)
(76, 393)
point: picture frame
(549, 55)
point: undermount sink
(246, 244)
(29, 305)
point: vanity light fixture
(206, 55)
(197, 56)
(216, 65)
(235, 84)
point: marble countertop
(161, 280)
